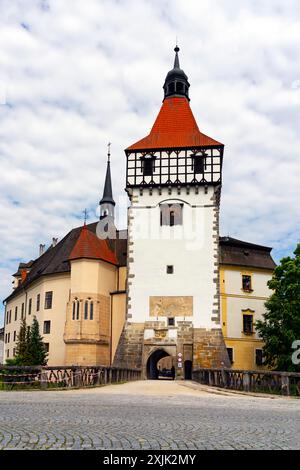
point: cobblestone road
(146, 415)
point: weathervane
(85, 216)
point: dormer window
(199, 162)
(148, 166)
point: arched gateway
(152, 363)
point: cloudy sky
(77, 74)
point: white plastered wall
(189, 248)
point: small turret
(107, 203)
(176, 83)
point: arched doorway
(188, 368)
(154, 358)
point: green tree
(22, 353)
(280, 326)
(36, 348)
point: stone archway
(151, 365)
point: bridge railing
(17, 377)
(281, 383)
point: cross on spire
(85, 216)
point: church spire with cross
(107, 203)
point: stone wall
(185, 340)
(205, 348)
(88, 354)
(130, 348)
(209, 349)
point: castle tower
(173, 181)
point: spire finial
(85, 217)
(176, 62)
(108, 151)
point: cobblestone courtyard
(146, 415)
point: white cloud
(75, 75)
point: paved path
(146, 415)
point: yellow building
(245, 269)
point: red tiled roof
(175, 126)
(88, 245)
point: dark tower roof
(107, 193)
(175, 125)
(176, 83)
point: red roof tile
(175, 126)
(89, 246)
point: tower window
(179, 87)
(170, 269)
(171, 321)
(199, 162)
(91, 311)
(77, 309)
(171, 87)
(172, 218)
(16, 313)
(171, 214)
(29, 306)
(148, 165)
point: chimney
(54, 241)
(42, 249)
